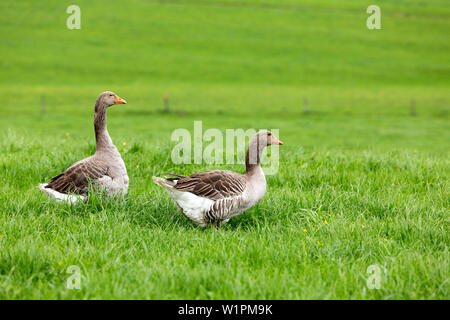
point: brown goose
(105, 169)
(213, 197)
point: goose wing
(214, 185)
(76, 178)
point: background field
(361, 180)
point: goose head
(270, 138)
(260, 140)
(264, 138)
(107, 99)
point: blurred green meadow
(364, 169)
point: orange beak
(276, 141)
(119, 100)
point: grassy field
(361, 182)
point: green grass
(367, 181)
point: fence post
(305, 105)
(166, 103)
(412, 109)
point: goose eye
(269, 134)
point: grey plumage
(213, 197)
(214, 185)
(104, 169)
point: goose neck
(102, 138)
(253, 157)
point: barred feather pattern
(105, 169)
(77, 177)
(224, 209)
(213, 197)
(214, 184)
(226, 189)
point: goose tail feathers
(58, 196)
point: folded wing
(77, 177)
(214, 185)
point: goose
(213, 197)
(104, 170)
